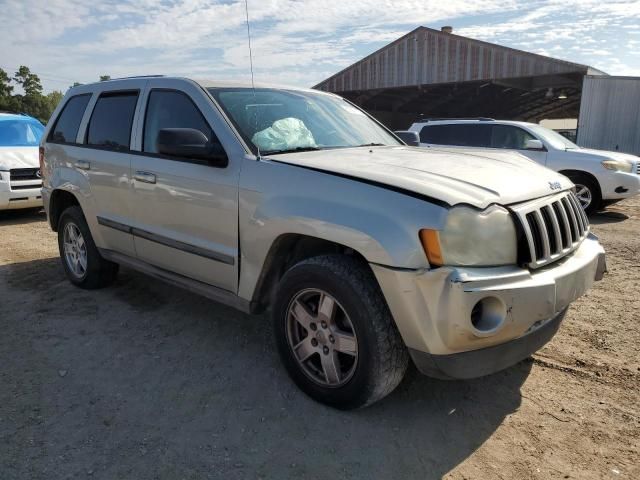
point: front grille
(638, 168)
(26, 187)
(24, 174)
(553, 227)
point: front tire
(587, 191)
(335, 334)
(80, 257)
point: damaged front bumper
(469, 322)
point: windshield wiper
(372, 145)
(292, 150)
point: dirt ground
(143, 381)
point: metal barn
(434, 73)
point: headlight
(472, 238)
(618, 165)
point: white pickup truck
(20, 180)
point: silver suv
(368, 253)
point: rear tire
(587, 191)
(80, 257)
(358, 338)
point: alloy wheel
(75, 250)
(322, 338)
(584, 195)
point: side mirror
(410, 138)
(190, 143)
(534, 144)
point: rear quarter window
(111, 120)
(67, 124)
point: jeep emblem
(555, 185)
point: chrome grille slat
(574, 221)
(553, 226)
(566, 231)
(577, 210)
(542, 226)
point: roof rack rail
(437, 119)
(135, 76)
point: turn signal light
(431, 244)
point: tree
(30, 82)
(104, 78)
(52, 101)
(32, 102)
(6, 89)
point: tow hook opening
(487, 316)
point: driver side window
(509, 137)
(171, 109)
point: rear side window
(68, 122)
(111, 120)
(171, 109)
(461, 134)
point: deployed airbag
(284, 134)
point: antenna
(253, 85)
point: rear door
(106, 161)
(185, 210)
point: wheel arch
(285, 251)
(591, 176)
(60, 200)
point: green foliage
(32, 101)
(104, 78)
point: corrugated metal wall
(610, 114)
(427, 56)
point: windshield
(20, 133)
(279, 121)
(553, 138)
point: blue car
(20, 180)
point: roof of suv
(204, 83)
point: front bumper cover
(485, 361)
(433, 309)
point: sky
(295, 42)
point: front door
(185, 210)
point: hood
(605, 154)
(451, 176)
(18, 157)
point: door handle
(83, 165)
(145, 177)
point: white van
(601, 177)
